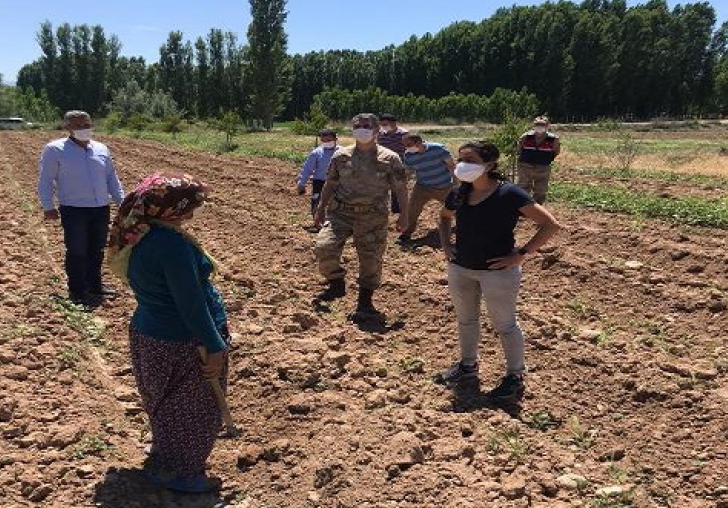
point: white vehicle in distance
(15, 123)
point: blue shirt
(317, 165)
(82, 177)
(430, 166)
(176, 301)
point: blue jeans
(499, 290)
(85, 231)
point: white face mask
(468, 171)
(540, 129)
(388, 128)
(363, 135)
(83, 134)
(329, 144)
(412, 149)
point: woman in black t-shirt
(484, 262)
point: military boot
(364, 304)
(336, 289)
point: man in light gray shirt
(80, 173)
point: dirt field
(627, 350)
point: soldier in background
(354, 203)
(537, 149)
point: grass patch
(623, 500)
(580, 435)
(686, 210)
(663, 176)
(542, 420)
(83, 322)
(685, 145)
(411, 365)
(273, 145)
(581, 309)
(69, 358)
(90, 445)
(510, 442)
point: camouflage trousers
(534, 179)
(369, 230)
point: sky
(143, 25)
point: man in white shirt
(80, 174)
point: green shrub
(138, 122)
(506, 137)
(112, 122)
(172, 124)
(230, 124)
(312, 124)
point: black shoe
(336, 289)
(510, 389)
(77, 298)
(459, 372)
(404, 239)
(103, 291)
(85, 300)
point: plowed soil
(627, 351)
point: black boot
(336, 289)
(364, 304)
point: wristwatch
(522, 251)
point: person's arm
(399, 187)
(402, 193)
(116, 190)
(183, 279)
(445, 228)
(309, 166)
(557, 147)
(450, 163)
(547, 227)
(47, 176)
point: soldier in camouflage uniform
(354, 203)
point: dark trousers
(395, 203)
(85, 231)
(318, 186)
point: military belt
(353, 208)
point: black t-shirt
(485, 231)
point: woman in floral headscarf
(178, 310)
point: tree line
(81, 68)
(595, 59)
(338, 104)
(599, 58)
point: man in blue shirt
(433, 166)
(80, 173)
(317, 165)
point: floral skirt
(183, 412)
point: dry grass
(712, 165)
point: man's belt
(344, 207)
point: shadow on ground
(467, 396)
(127, 488)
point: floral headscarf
(158, 199)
